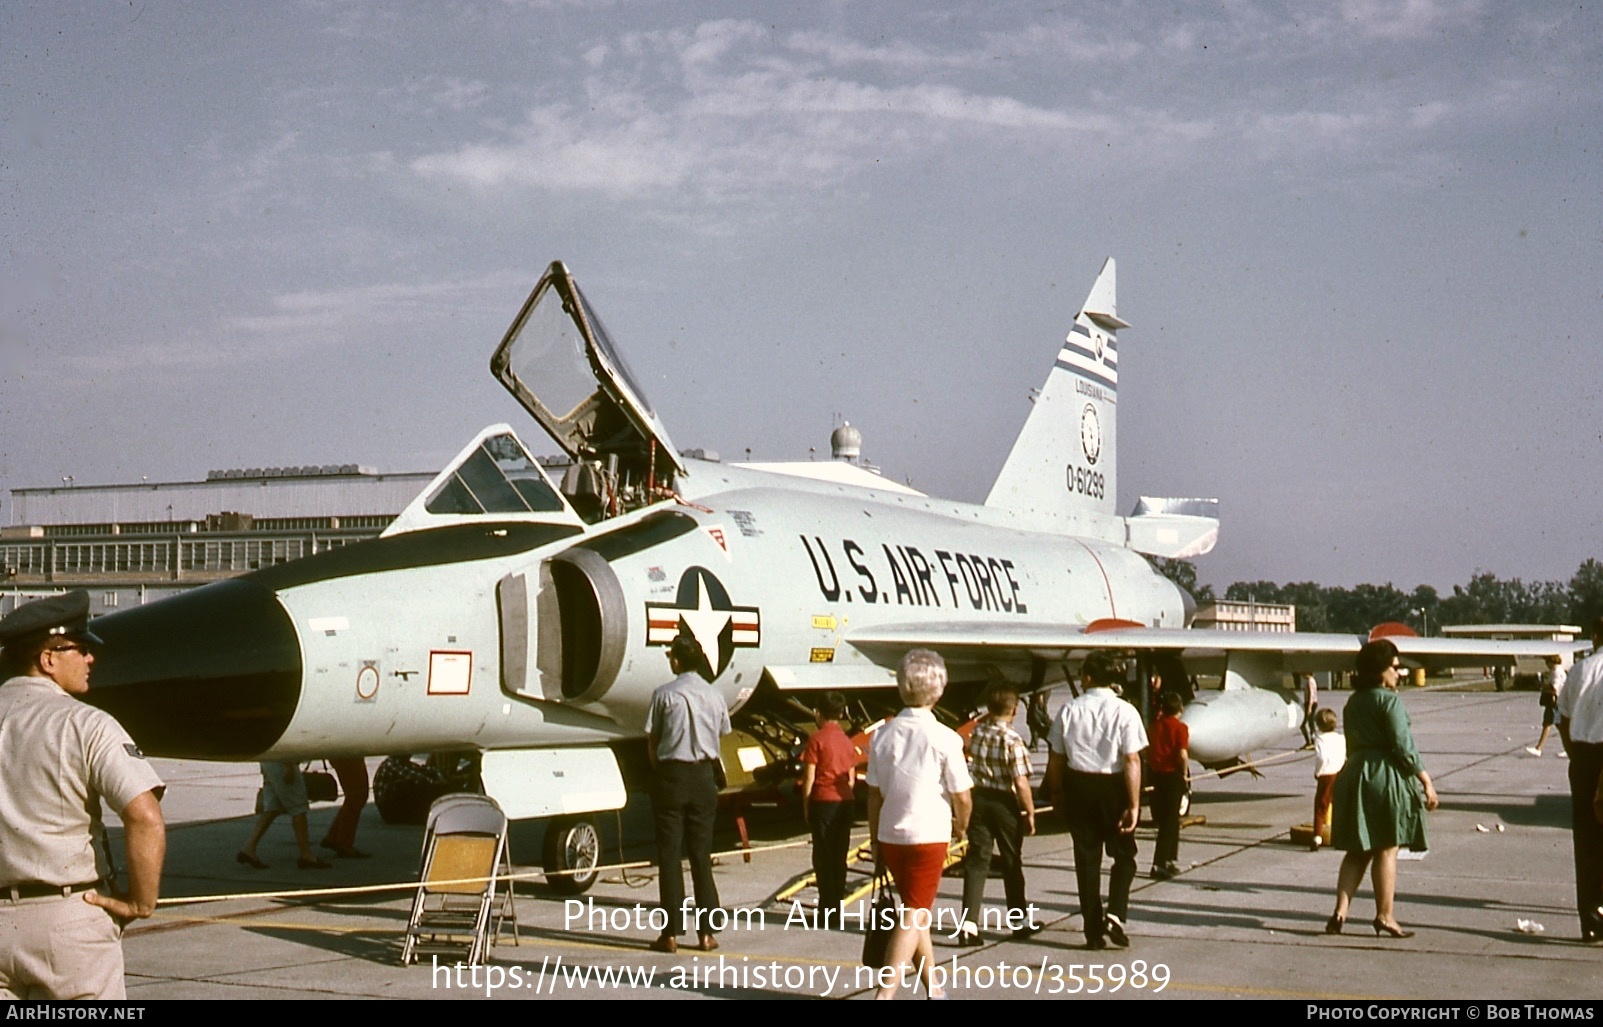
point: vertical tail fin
(1061, 473)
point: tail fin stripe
(1075, 349)
(1085, 367)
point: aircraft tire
(403, 790)
(572, 844)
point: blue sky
(1360, 244)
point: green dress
(1379, 801)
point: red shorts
(916, 869)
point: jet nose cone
(214, 673)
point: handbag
(881, 922)
(320, 786)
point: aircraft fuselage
(521, 634)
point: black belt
(39, 890)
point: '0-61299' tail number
(1086, 483)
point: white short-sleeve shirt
(1330, 753)
(917, 765)
(1097, 731)
(1580, 701)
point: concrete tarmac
(1245, 920)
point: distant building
(1525, 667)
(1232, 615)
(136, 543)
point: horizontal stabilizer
(1173, 528)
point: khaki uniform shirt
(58, 758)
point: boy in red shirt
(1169, 763)
(829, 775)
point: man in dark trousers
(1580, 725)
(1004, 811)
(684, 723)
(1094, 775)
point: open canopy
(559, 362)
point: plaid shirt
(997, 755)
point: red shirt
(1168, 736)
(835, 757)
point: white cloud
(1407, 19)
(731, 110)
(296, 322)
(731, 118)
(899, 54)
(457, 94)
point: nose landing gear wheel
(572, 853)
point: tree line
(1486, 599)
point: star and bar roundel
(702, 609)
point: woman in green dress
(1383, 791)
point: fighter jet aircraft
(526, 619)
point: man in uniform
(60, 924)
(684, 723)
(1094, 774)
(1580, 726)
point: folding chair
(465, 856)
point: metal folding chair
(459, 893)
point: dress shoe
(1161, 872)
(1027, 932)
(1115, 929)
(969, 936)
(1335, 924)
(314, 864)
(1096, 944)
(709, 943)
(665, 943)
(248, 860)
(1390, 930)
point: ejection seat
(460, 897)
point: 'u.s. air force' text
(904, 575)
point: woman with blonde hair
(918, 802)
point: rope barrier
(524, 875)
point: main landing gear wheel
(403, 789)
(572, 844)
